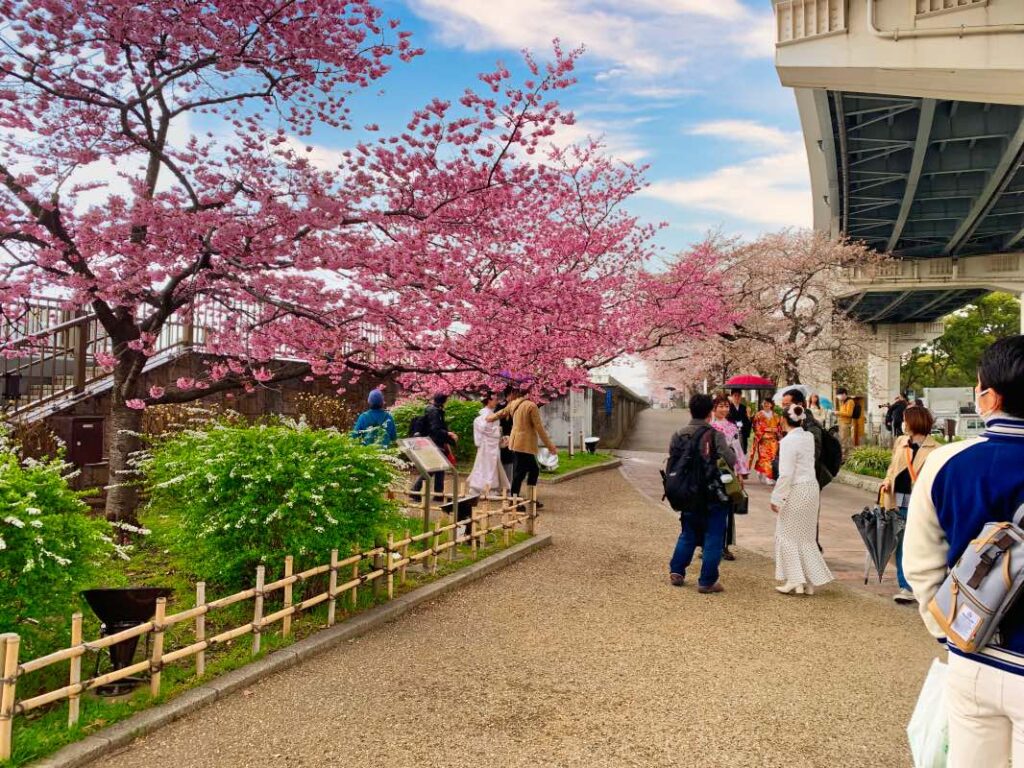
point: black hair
(796, 396)
(486, 397)
(440, 399)
(1002, 369)
(735, 391)
(842, 391)
(794, 415)
(701, 406)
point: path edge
(864, 482)
(602, 467)
(121, 734)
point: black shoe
(727, 555)
(540, 505)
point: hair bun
(796, 413)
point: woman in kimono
(767, 429)
(488, 474)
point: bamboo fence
(377, 568)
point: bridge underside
(923, 179)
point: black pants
(526, 468)
(438, 483)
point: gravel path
(582, 655)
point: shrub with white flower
(246, 495)
(50, 547)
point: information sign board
(422, 452)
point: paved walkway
(844, 550)
(582, 655)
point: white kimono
(488, 474)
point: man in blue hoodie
(963, 486)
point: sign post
(428, 459)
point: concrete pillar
(883, 379)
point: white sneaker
(904, 596)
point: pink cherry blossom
(136, 404)
(156, 392)
(185, 383)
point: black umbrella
(881, 529)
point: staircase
(49, 360)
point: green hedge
(460, 415)
(868, 460)
(246, 495)
(50, 548)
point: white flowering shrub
(246, 495)
(50, 548)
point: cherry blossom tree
(784, 289)
(157, 160)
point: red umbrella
(749, 382)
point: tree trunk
(125, 423)
(791, 366)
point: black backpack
(831, 452)
(694, 480)
(418, 427)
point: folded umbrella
(881, 529)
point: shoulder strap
(1018, 517)
(910, 463)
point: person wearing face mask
(909, 453)
(961, 487)
(847, 409)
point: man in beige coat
(527, 431)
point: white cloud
(771, 189)
(747, 132)
(647, 38)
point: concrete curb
(613, 464)
(864, 482)
(121, 734)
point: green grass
(578, 461)
(44, 731)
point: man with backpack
(432, 424)
(693, 487)
(963, 487)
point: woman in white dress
(488, 473)
(798, 561)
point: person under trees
(406, 256)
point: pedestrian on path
(705, 520)
(738, 415)
(796, 500)
(963, 486)
(765, 449)
(375, 426)
(732, 433)
(527, 432)
(909, 453)
(436, 428)
(488, 473)
(847, 408)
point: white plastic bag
(928, 731)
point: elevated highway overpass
(913, 119)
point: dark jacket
(437, 427)
(738, 415)
(721, 446)
(508, 456)
(820, 470)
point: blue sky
(685, 86)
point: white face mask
(977, 403)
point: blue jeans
(900, 578)
(706, 530)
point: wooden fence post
(257, 613)
(433, 546)
(9, 643)
(74, 703)
(405, 556)
(286, 623)
(332, 587)
(472, 532)
(355, 575)
(531, 514)
(200, 628)
(388, 560)
(156, 659)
